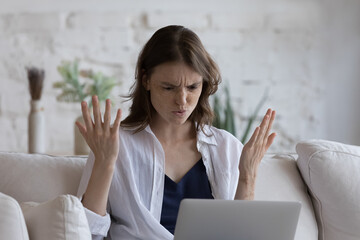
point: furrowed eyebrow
(167, 84)
(195, 84)
(172, 85)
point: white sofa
(36, 192)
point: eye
(193, 87)
(168, 88)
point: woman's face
(175, 89)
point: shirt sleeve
(99, 225)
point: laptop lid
(236, 219)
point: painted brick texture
(258, 45)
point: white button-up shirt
(136, 191)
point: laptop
(206, 219)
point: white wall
(343, 75)
(306, 52)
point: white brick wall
(26, 22)
(2, 24)
(216, 40)
(302, 16)
(193, 20)
(93, 20)
(243, 20)
(280, 45)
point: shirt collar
(206, 136)
(148, 129)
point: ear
(145, 82)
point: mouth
(179, 113)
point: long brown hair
(171, 44)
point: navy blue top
(195, 184)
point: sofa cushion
(279, 180)
(12, 223)
(38, 177)
(332, 173)
(57, 219)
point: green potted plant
(225, 117)
(80, 85)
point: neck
(172, 134)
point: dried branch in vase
(36, 80)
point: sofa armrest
(279, 180)
(38, 177)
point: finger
(272, 117)
(270, 140)
(86, 116)
(107, 115)
(254, 136)
(265, 119)
(97, 114)
(116, 125)
(82, 128)
(264, 123)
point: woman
(166, 149)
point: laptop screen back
(236, 219)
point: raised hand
(257, 146)
(252, 153)
(102, 139)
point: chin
(180, 121)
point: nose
(181, 97)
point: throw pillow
(331, 171)
(60, 218)
(12, 223)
